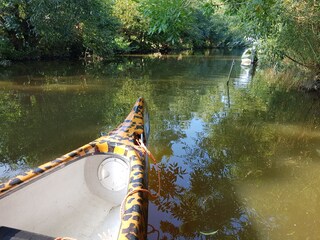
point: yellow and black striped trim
(121, 141)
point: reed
(289, 79)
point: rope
(152, 196)
(141, 144)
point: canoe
(80, 194)
(248, 57)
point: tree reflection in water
(207, 208)
(227, 171)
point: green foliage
(173, 24)
(214, 30)
(77, 25)
(55, 28)
(287, 29)
(49, 29)
(99, 29)
(18, 36)
(55, 23)
(300, 36)
(122, 45)
(167, 20)
(7, 49)
(133, 26)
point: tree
(17, 34)
(290, 29)
(167, 21)
(133, 25)
(44, 28)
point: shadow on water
(229, 163)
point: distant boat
(80, 194)
(248, 57)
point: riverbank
(291, 79)
(288, 78)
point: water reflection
(229, 164)
(249, 144)
(245, 76)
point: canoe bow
(121, 141)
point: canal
(237, 162)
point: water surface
(236, 163)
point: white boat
(248, 57)
(80, 194)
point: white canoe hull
(80, 194)
(69, 202)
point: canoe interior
(68, 201)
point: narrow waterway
(236, 163)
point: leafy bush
(45, 28)
(286, 29)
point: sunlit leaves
(43, 28)
(292, 27)
(133, 25)
(168, 19)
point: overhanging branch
(298, 62)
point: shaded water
(237, 163)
